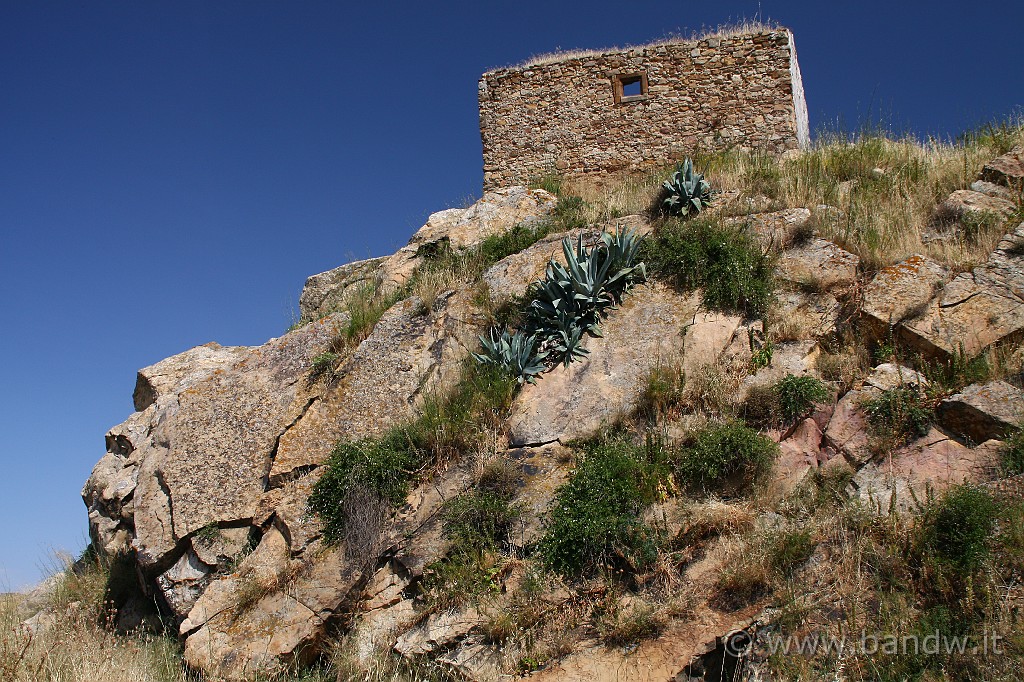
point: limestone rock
(410, 353)
(818, 262)
(976, 309)
(573, 402)
(706, 336)
(900, 291)
(542, 470)
(329, 291)
(992, 189)
(1007, 169)
(798, 455)
(183, 582)
(802, 315)
(965, 201)
(981, 412)
(438, 630)
(932, 463)
(268, 615)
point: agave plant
(688, 191)
(514, 353)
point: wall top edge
(570, 56)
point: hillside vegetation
(716, 451)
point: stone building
(606, 113)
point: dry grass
(731, 30)
(886, 191)
(79, 644)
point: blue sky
(170, 172)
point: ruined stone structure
(610, 112)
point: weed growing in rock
(899, 414)
(595, 522)
(725, 456)
(727, 264)
(958, 528)
(386, 465)
(798, 395)
(481, 519)
(1013, 453)
(662, 391)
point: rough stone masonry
(614, 112)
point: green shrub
(958, 527)
(798, 395)
(595, 519)
(720, 452)
(900, 413)
(1013, 454)
(789, 549)
(385, 466)
(727, 264)
(324, 367)
(480, 520)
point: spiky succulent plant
(688, 191)
(568, 304)
(514, 353)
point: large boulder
(330, 291)
(899, 292)
(411, 353)
(818, 263)
(1007, 169)
(981, 412)
(976, 309)
(211, 450)
(575, 401)
(497, 212)
(928, 465)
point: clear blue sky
(170, 172)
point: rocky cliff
(206, 485)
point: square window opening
(629, 87)
(632, 86)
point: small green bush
(720, 452)
(595, 520)
(798, 395)
(324, 367)
(481, 519)
(726, 264)
(789, 549)
(1013, 454)
(384, 465)
(447, 426)
(958, 527)
(900, 413)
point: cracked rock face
(969, 314)
(575, 401)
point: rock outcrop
(206, 485)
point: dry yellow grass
(742, 27)
(886, 191)
(75, 645)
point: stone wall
(617, 112)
